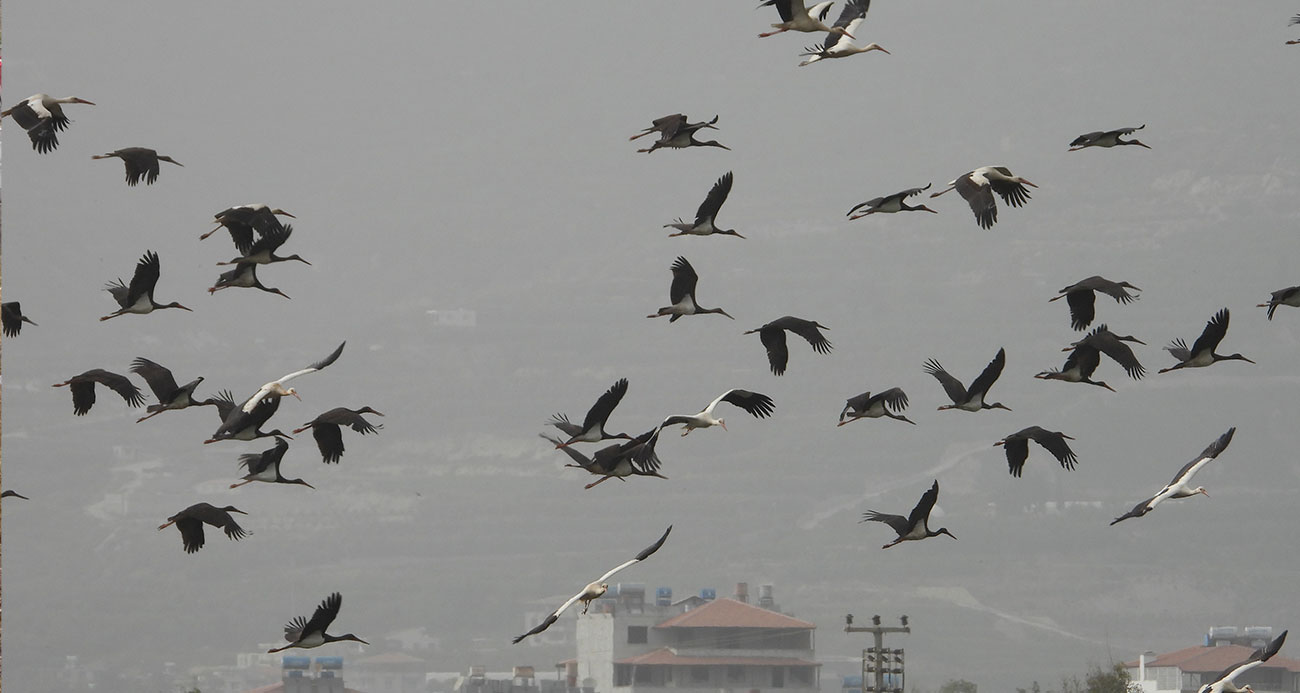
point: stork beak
(1000, 442)
(723, 424)
(1205, 493)
(295, 395)
(1032, 185)
(88, 103)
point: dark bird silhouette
(327, 429)
(237, 424)
(795, 16)
(593, 425)
(978, 186)
(190, 522)
(10, 493)
(915, 526)
(595, 588)
(308, 633)
(137, 298)
(1180, 486)
(83, 389)
(262, 251)
(1202, 352)
(869, 406)
(12, 318)
(243, 220)
(972, 398)
(244, 276)
(682, 294)
(140, 163)
(1016, 446)
(1107, 342)
(170, 395)
(673, 124)
(773, 337)
(41, 115)
(265, 466)
(1082, 298)
(1079, 367)
(706, 216)
(617, 461)
(890, 204)
(1289, 296)
(1106, 138)
(676, 133)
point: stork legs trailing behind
(1202, 352)
(137, 298)
(141, 163)
(977, 188)
(41, 115)
(682, 294)
(915, 526)
(868, 406)
(1016, 446)
(773, 337)
(890, 204)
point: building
(696, 645)
(1188, 669)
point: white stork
(841, 45)
(42, 117)
(1181, 486)
(797, 17)
(977, 188)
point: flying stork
(265, 466)
(327, 429)
(12, 318)
(890, 204)
(972, 398)
(1081, 297)
(190, 522)
(170, 395)
(595, 588)
(83, 389)
(1107, 138)
(1289, 296)
(243, 220)
(267, 397)
(42, 117)
(977, 188)
(617, 461)
(795, 16)
(682, 293)
(305, 633)
(137, 298)
(773, 337)
(244, 276)
(1181, 486)
(1107, 342)
(706, 216)
(140, 163)
(841, 45)
(1016, 446)
(915, 526)
(672, 124)
(1202, 352)
(262, 252)
(1223, 683)
(593, 425)
(869, 406)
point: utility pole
(878, 660)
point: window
(645, 674)
(622, 675)
(801, 675)
(637, 635)
(778, 677)
(735, 674)
(699, 674)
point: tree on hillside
(1099, 680)
(957, 686)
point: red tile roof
(729, 613)
(664, 655)
(1212, 660)
(279, 688)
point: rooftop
(665, 655)
(1212, 660)
(729, 613)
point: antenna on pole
(878, 660)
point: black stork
(977, 188)
(1106, 138)
(1180, 486)
(617, 461)
(915, 526)
(243, 276)
(245, 419)
(170, 395)
(676, 133)
(41, 115)
(705, 223)
(10, 493)
(1016, 446)
(236, 424)
(327, 429)
(265, 466)
(243, 220)
(841, 45)
(83, 389)
(890, 204)
(773, 337)
(672, 124)
(1079, 367)
(1289, 296)
(972, 398)
(1082, 297)
(869, 406)
(137, 298)
(592, 429)
(1107, 342)
(1202, 352)
(1294, 20)
(141, 162)
(596, 588)
(12, 318)
(795, 16)
(1223, 683)
(190, 522)
(682, 293)
(262, 251)
(305, 633)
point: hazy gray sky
(476, 156)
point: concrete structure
(1186, 670)
(696, 645)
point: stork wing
(1212, 451)
(1017, 449)
(894, 399)
(119, 384)
(809, 331)
(580, 459)
(604, 406)
(684, 279)
(850, 19)
(1011, 192)
(777, 354)
(320, 620)
(1082, 308)
(1055, 443)
(561, 421)
(713, 202)
(160, 379)
(758, 405)
(857, 403)
(144, 279)
(1178, 349)
(981, 200)
(266, 389)
(956, 391)
(1213, 333)
(921, 512)
(989, 376)
(897, 522)
(1256, 658)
